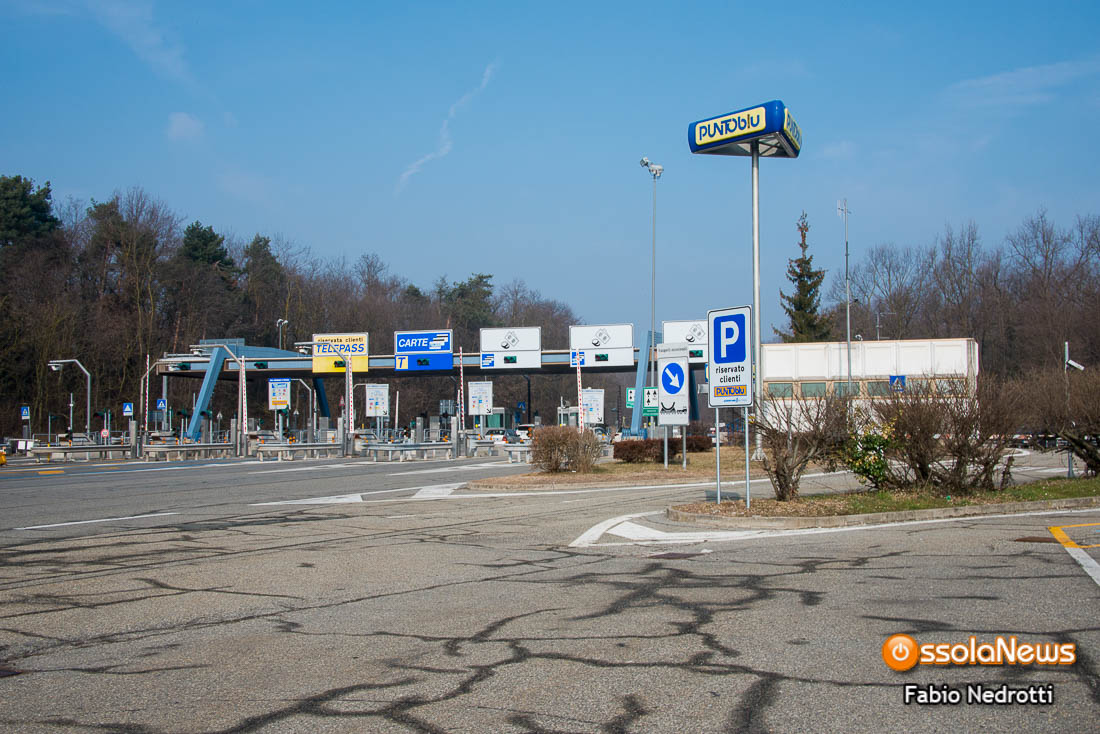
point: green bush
(865, 455)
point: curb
(876, 518)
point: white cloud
(1027, 86)
(182, 126)
(839, 150)
(445, 142)
(133, 23)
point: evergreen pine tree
(807, 324)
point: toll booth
(568, 416)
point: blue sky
(505, 137)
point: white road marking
(640, 535)
(444, 470)
(433, 492)
(86, 522)
(1092, 568)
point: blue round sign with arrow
(672, 378)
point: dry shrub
(556, 448)
(639, 451)
(951, 442)
(549, 447)
(1066, 403)
(795, 432)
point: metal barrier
(420, 450)
(170, 451)
(518, 452)
(80, 452)
(288, 451)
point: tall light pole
(656, 170)
(842, 211)
(56, 365)
(1066, 364)
(280, 325)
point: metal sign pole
(717, 458)
(745, 427)
(758, 377)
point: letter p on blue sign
(728, 343)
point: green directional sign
(649, 402)
(630, 397)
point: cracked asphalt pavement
(174, 601)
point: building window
(878, 388)
(813, 389)
(947, 386)
(780, 389)
(841, 388)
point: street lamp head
(644, 162)
(656, 170)
(55, 367)
(1075, 365)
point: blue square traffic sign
(727, 341)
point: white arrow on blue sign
(672, 379)
(674, 404)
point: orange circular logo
(899, 652)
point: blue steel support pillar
(639, 386)
(322, 399)
(213, 369)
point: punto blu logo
(729, 126)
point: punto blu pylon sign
(765, 130)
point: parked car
(502, 435)
(524, 431)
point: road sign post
(731, 371)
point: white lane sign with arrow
(673, 397)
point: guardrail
(418, 450)
(518, 452)
(171, 451)
(288, 451)
(83, 452)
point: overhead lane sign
(770, 125)
(511, 348)
(730, 357)
(423, 350)
(611, 345)
(329, 355)
(693, 334)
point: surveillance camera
(1075, 365)
(645, 162)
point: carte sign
(611, 345)
(511, 348)
(730, 357)
(691, 333)
(334, 348)
(278, 393)
(674, 405)
(423, 350)
(481, 398)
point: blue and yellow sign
(770, 125)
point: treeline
(1021, 300)
(111, 282)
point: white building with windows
(814, 369)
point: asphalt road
(382, 597)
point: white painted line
(652, 536)
(444, 470)
(1092, 568)
(588, 537)
(437, 491)
(85, 522)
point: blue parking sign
(730, 374)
